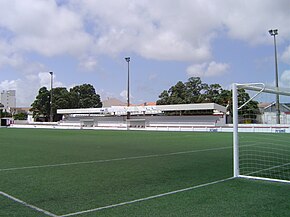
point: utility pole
(51, 95)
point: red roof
(147, 104)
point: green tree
(178, 94)
(225, 98)
(41, 105)
(20, 116)
(6, 114)
(61, 100)
(212, 93)
(164, 98)
(195, 90)
(249, 111)
(184, 93)
(84, 96)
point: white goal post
(261, 150)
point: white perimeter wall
(201, 128)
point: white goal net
(261, 120)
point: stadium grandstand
(181, 115)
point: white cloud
(155, 30)
(286, 55)
(9, 85)
(216, 69)
(88, 64)
(41, 26)
(196, 70)
(168, 46)
(211, 69)
(250, 21)
(285, 78)
(180, 30)
(8, 54)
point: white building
(8, 99)
(269, 114)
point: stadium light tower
(128, 86)
(51, 94)
(274, 32)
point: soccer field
(128, 173)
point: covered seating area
(205, 114)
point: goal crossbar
(263, 88)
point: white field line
(28, 205)
(146, 198)
(114, 159)
(270, 168)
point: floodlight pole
(128, 87)
(274, 33)
(51, 94)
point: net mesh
(265, 155)
(264, 145)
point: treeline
(196, 91)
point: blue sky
(86, 41)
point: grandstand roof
(157, 109)
(190, 107)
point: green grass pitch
(67, 172)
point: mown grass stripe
(146, 198)
(114, 159)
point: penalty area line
(28, 205)
(147, 198)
